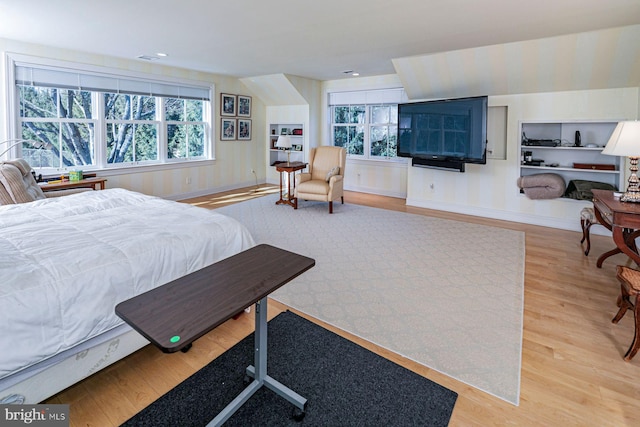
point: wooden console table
(94, 183)
(623, 219)
(174, 315)
(290, 169)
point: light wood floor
(573, 373)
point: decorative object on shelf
(581, 189)
(227, 104)
(284, 143)
(244, 129)
(578, 140)
(284, 131)
(297, 147)
(542, 186)
(625, 141)
(297, 132)
(227, 129)
(244, 106)
(595, 166)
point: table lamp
(625, 141)
(284, 143)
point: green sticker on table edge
(174, 339)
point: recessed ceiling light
(355, 74)
(148, 57)
(162, 54)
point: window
(348, 128)
(367, 131)
(383, 133)
(97, 120)
(186, 128)
(63, 120)
(366, 123)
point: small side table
(93, 183)
(290, 169)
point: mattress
(66, 262)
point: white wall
(490, 190)
(234, 159)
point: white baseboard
(372, 190)
(211, 190)
(544, 221)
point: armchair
(17, 184)
(324, 181)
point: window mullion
(100, 129)
(163, 143)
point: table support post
(259, 373)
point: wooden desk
(290, 169)
(623, 219)
(94, 183)
(174, 315)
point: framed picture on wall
(244, 106)
(227, 104)
(227, 129)
(244, 129)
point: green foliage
(63, 119)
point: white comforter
(66, 262)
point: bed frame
(49, 377)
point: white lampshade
(284, 141)
(625, 140)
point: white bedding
(66, 262)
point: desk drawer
(605, 212)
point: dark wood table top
(174, 315)
(615, 212)
(91, 182)
(290, 167)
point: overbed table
(174, 315)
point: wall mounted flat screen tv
(451, 131)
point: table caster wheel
(298, 414)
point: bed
(66, 262)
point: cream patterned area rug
(446, 294)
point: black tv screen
(452, 130)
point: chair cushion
(19, 184)
(588, 214)
(314, 186)
(629, 276)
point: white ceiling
(317, 39)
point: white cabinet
(549, 147)
(295, 132)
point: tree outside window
(68, 122)
(368, 131)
